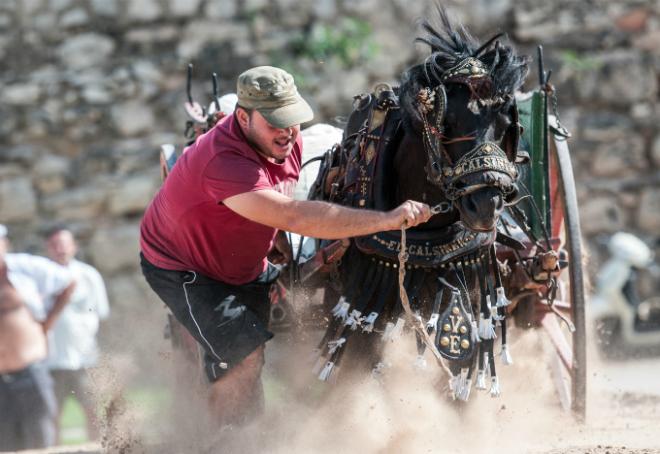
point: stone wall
(89, 89)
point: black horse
(447, 136)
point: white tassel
(464, 374)
(502, 300)
(334, 345)
(481, 374)
(505, 356)
(341, 309)
(481, 380)
(420, 363)
(486, 329)
(369, 322)
(474, 335)
(432, 324)
(327, 370)
(464, 394)
(354, 320)
(392, 331)
(338, 306)
(387, 334)
(454, 385)
(494, 387)
(493, 310)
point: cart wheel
(570, 365)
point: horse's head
(461, 100)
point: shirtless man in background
(26, 388)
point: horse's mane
(451, 43)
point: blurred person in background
(205, 236)
(33, 292)
(73, 347)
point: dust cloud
(406, 410)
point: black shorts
(228, 321)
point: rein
(405, 302)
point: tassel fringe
(494, 387)
(502, 300)
(327, 370)
(481, 380)
(475, 332)
(486, 329)
(392, 331)
(340, 311)
(369, 322)
(354, 320)
(334, 345)
(505, 356)
(454, 385)
(464, 393)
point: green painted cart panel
(532, 109)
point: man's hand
(410, 213)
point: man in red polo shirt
(205, 236)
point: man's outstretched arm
(322, 219)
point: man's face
(61, 247)
(269, 141)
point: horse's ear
(511, 136)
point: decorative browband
(485, 156)
(468, 67)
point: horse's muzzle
(481, 208)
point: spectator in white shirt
(33, 291)
(73, 345)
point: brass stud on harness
(465, 344)
(444, 341)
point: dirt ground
(405, 411)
